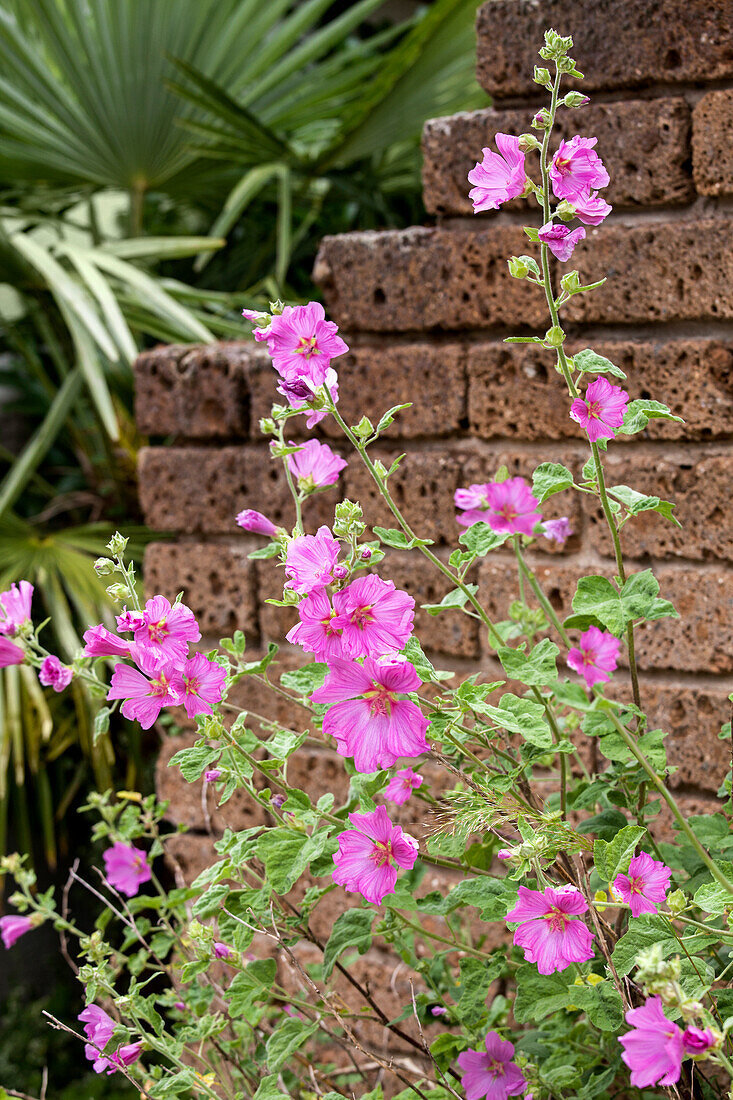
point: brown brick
(614, 44)
(691, 805)
(701, 640)
(712, 156)
(217, 581)
(698, 482)
(645, 145)
(192, 489)
(694, 717)
(417, 279)
(422, 487)
(693, 377)
(662, 272)
(479, 467)
(196, 393)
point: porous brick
(196, 393)
(693, 377)
(456, 279)
(698, 482)
(418, 279)
(422, 487)
(201, 489)
(701, 640)
(672, 271)
(644, 144)
(624, 44)
(217, 581)
(712, 155)
(479, 467)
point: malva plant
(555, 941)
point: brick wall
(425, 310)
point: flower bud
(576, 99)
(277, 307)
(570, 282)
(542, 119)
(517, 267)
(528, 142)
(363, 429)
(117, 544)
(103, 567)
(366, 553)
(267, 426)
(554, 337)
(542, 76)
(676, 902)
(339, 572)
(565, 211)
(118, 592)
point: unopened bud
(277, 307)
(339, 572)
(554, 337)
(676, 902)
(366, 553)
(117, 544)
(103, 567)
(528, 142)
(565, 211)
(517, 268)
(570, 282)
(542, 119)
(576, 99)
(267, 426)
(542, 76)
(118, 592)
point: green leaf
(475, 982)
(389, 416)
(596, 596)
(390, 536)
(650, 929)
(305, 680)
(590, 362)
(288, 1036)
(452, 601)
(550, 478)
(480, 540)
(637, 502)
(271, 550)
(268, 1089)
(351, 930)
(286, 854)
(523, 717)
(613, 856)
(601, 1003)
(639, 413)
(539, 994)
(250, 985)
(193, 761)
(713, 898)
(536, 668)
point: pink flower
(499, 176)
(653, 1049)
(696, 1040)
(10, 654)
(402, 784)
(98, 1028)
(129, 620)
(369, 721)
(200, 684)
(315, 465)
(557, 530)
(364, 861)
(315, 632)
(300, 390)
(144, 698)
(645, 887)
(601, 411)
(124, 1056)
(13, 927)
(560, 240)
(221, 951)
(548, 934)
(310, 560)
(590, 208)
(375, 618)
(101, 642)
(576, 167)
(507, 506)
(53, 674)
(596, 657)
(302, 335)
(438, 1010)
(165, 631)
(126, 868)
(260, 320)
(15, 607)
(492, 1074)
(253, 521)
(212, 775)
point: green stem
(658, 782)
(441, 939)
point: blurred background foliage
(164, 163)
